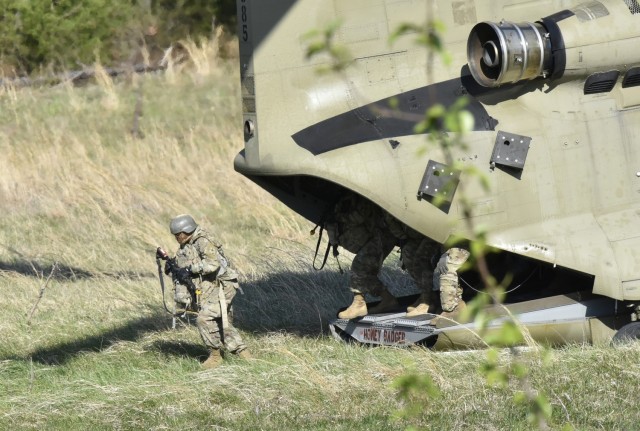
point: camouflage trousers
(446, 280)
(367, 264)
(416, 258)
(210, 323)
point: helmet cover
(182, 223)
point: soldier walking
(201, 270)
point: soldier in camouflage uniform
(356, 225)
(417, 253)
(201, 268)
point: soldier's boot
(421, 306)
(214, 360)
(450, 318)
(415, 303)
(388, 302)
(244, 354)
(453, 314)
(421, 302)
(358, 308)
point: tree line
(67, 34)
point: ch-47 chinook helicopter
(554, 88)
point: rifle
(180, 274)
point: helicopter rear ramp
(570, 319)
(389, 329)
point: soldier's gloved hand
(441, 266)
(167, 268)
(196, 268)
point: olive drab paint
(554, 90)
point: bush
(191, 17)
(62, 32)
(66, 33)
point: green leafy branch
(321, 42)
(447, 127)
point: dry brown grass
(78, 189)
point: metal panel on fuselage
(576, 201)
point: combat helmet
(182, 223)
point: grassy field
(85, 202)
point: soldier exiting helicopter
(200, 268)
(357, 225)
(440, 287)
(417, 252)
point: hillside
(85, 202)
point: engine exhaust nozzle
(506, 52)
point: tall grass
(80, 191)
(77, 186)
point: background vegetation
(67, 34)
(79, 192)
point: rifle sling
(326, 253)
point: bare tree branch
(54, 268)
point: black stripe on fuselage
(387, 118)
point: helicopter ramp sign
(388, 329)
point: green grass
(77, 190)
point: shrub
(66, 33)
(62, 32)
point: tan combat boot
(422, 299)
(425, 304)
(387, 303)
(358, 308)
(422, 308)
(214, 360)
(450, 318)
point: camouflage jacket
(401, 231)
(354, 222)
(204, 254)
